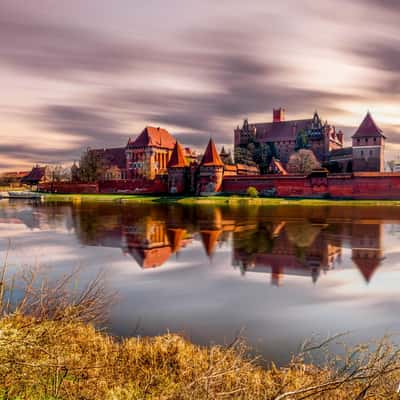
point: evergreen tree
(243, 156)
(301, 140)
(262, 156)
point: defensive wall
(117, 186)
(68, 187)
(361, 185)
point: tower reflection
(278, 241)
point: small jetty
(23, 195)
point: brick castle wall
(359, 185)
(68, 187)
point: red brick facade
(361, 185)
(368, 147)
(322, 137)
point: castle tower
(225, 156)
(177, 171)
(211, 170)
(278, 114)
(244, 134)
(210, 238)
(368, 147)
(367, 251)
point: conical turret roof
(223, 152)
(176, 236)
(177, 159)
(367, 266)
(211, 157)
(210, 240)
(368, 128)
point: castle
(327, 144)
(156, 163)
(155, 155)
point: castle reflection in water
(272, 240)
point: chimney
(278, 114)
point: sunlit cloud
(92, 74)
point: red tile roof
(176, 236)
(278, 166)
(151, 258)
(368, 128)
(210, 240)
(211, 157)
(177, 159)
(35, 176)
(343, 152)
(14, 174)
(153, 137)
(367, 266)
(278, 131)
(112, 157)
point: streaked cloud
(78, 75)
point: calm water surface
(278, 274)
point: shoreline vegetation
(51, 350)
(230, 200)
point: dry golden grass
(45, 359)
(49, 350)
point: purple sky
(75, 74)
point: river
(276, 275)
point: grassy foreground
(217, 200)
(49, 350)
(66, 359)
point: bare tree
(58, 173)
(391, 164)
(302, 162)
(91, 166)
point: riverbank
(216, 200)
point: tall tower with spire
(177, 171)
(367, 251)
(368, 147)
(211, 170)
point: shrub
(251, 191)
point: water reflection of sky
(279, 275)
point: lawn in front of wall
(217, 200)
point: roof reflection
(274, 241)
